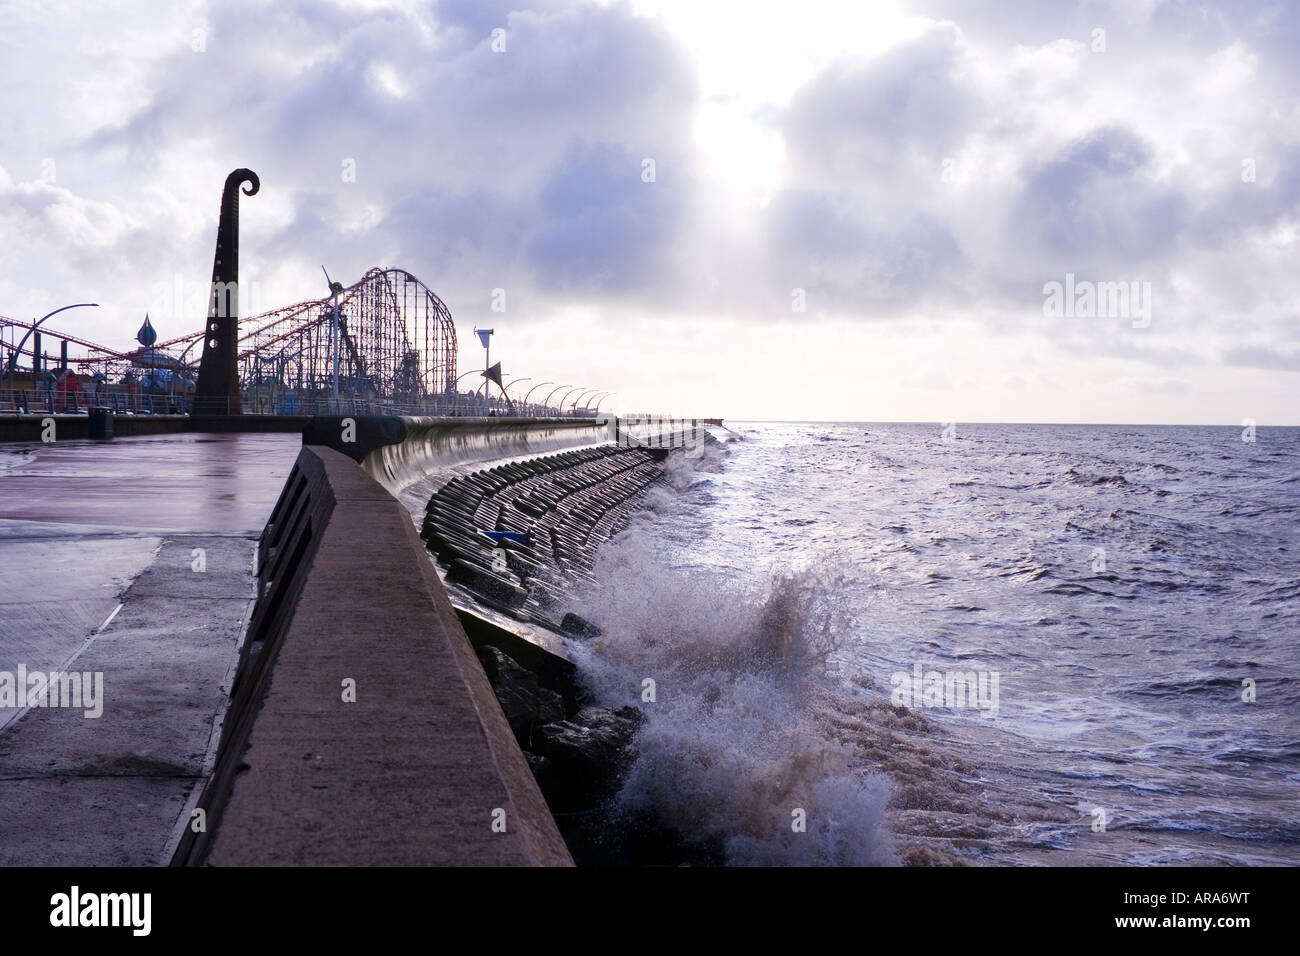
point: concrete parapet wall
(22, 428)
(420, 766)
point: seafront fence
(54, 401)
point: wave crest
(731, 755)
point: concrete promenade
(133, 559)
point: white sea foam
(730, 753)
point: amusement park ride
(385, 341)
(384, 345)
(397, 346)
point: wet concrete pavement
(132, 559)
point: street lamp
(485, 337)
(13, 358)
(560, 406)
(455, 406)
(531, 390)
(590, 391)
(546, 403)
(599, 395)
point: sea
(915, 644)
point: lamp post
(546, 402)
(560, 406)
(455, 405)
(505, 390)
(485, 337)
(590, 391)
(599, 395)
(533, 389)
(13, 358)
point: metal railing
(50, 399)
(53, 400)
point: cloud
(1285, 360)
(1157, 386)
(861, 264)
(1095, 203)
(519, 168)
(864, 121)
(601, 227)
(940, 179)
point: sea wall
(400, 451)
(363, 728)
(551, 513)
(431, 444)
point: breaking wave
(730, 754)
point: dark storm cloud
(515, 167)
(478, 17)
(600, 226)
(1095, 204)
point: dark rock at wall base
(635, 839)
(579, 764)
(613, 835)
(579, 626)
(516, 688)
(550, 706)
(589, 754)
(540, 766)
(523, 699)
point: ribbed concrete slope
(566, 504)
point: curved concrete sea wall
(398, 452)
(362, 727)
(431, 444)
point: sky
(949, 211)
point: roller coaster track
(398, 341)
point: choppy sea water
(1134, 591)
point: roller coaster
(396, 347)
